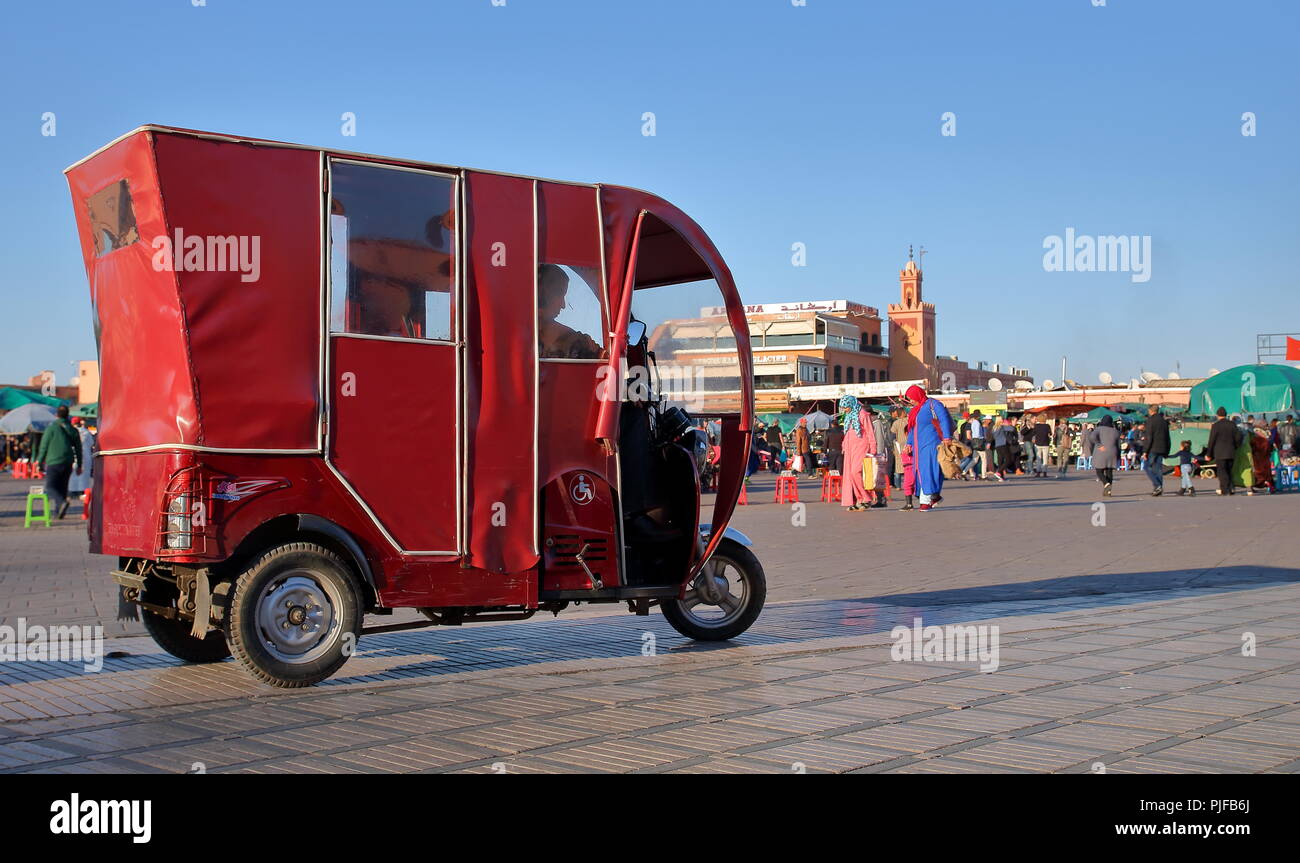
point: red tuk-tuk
(336, 384)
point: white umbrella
(818, 420)
(29, 417)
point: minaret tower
(911, 329)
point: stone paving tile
(714, 737)
(1217, 752)
(1265, 731)
(1097, 738)
(833, 755)
(621, 720)
(984, 720)
(798, 720)
(615, 756)
(1169, 721)
(949, 764)
(1150, 764)
(520, 736)
(1026, 754)
(909, 737)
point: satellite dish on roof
(1049, 384)
(1173, 376)
(1213, 372)
(1024, 385)
(995, 384)
(1105, 378)
(1148, 377)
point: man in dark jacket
(1157, 448)
(59, 450)
(1225, 437)
(835, 446)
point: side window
(571, 320)
(112, 218)
(392, 241)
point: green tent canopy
(12, 398)
(1249, 389)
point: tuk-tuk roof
(197, 339)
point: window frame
(456, 294)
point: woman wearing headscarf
(928, 425)
(1261, 457)
(875, 471)
(1103, 443)
(859, 440)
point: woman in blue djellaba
(928, 425)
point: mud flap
(202, 604)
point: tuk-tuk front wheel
(726, 606)
(294, 615)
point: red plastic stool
(832, 486)
(787, 489)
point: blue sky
(776, 124)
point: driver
(554, 339)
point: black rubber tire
(751, 570)
(173, 635)
(242, 628)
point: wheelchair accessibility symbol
(581, 490)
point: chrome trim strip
(537, 390)
(215, 449)
(332, 154)
(394, 339)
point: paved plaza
(1121, 633)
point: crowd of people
(914, 447)
(64, 452)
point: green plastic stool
(35, 493)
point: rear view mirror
(635, 332)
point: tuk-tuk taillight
(184, 514)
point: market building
(805, 349)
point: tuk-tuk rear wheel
(173, 635)
(697, 616)
(295, 615)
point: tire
(173, 635)
(316, 634)
(743, 571)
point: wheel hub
(295, 614)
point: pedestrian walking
(803, 447)
(1222, 447)
(1042, 437)
(59, 454)
(1157, 445)
(859, 439)
(1064, 443)
(928, 425)
(1186, 469)
(1104, 440)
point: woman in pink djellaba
(859, 442)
